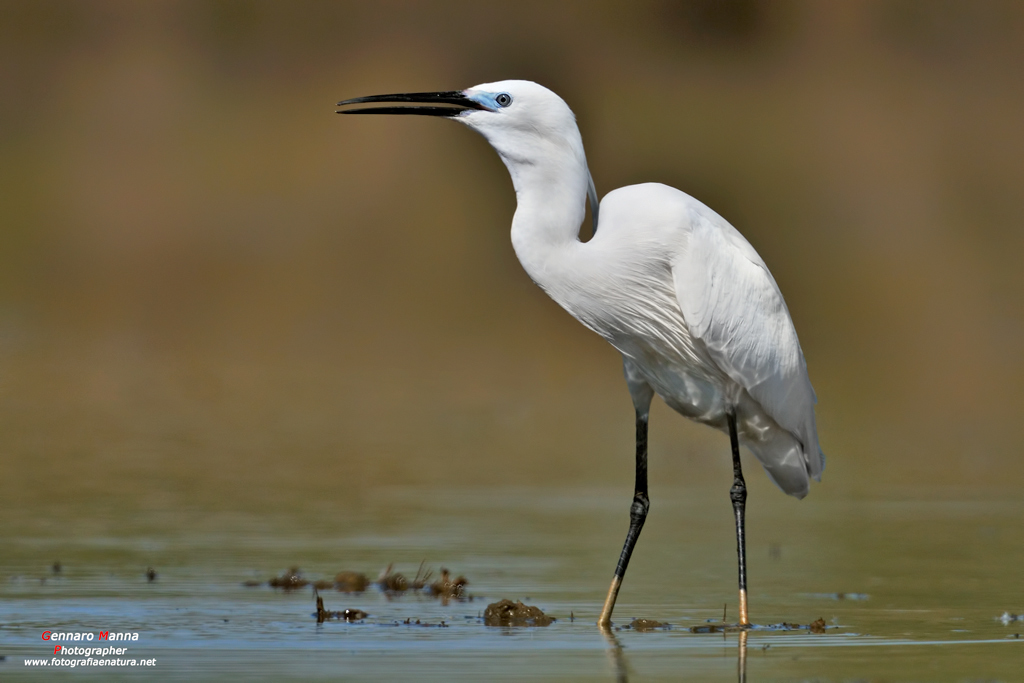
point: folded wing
(731, 302)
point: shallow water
(910, 590)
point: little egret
(680, 293)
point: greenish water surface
(911, 590)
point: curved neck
(551, 198)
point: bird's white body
(668, 282)
(678, 291)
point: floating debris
(392, 582)
(57, 567)
(389, 581)
(321, 614)
(840, 596)
(290, 580)
(349, 615)
(508, 613)
(410, 622)
(1008, 618)
(352, 615)
(719, 628)
(150, 575)
(817, 626)
(422, 577)
(647, 625)
(351, 582)
(448, 588)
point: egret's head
(532, 128)
(520, 112)
(520, 119)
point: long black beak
(456, 98)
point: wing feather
(731, 302)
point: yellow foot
(605, 620)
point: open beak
(452, 103)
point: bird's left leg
(738, 494)
(642, 395)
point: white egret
(680, 293)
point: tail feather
(783, 458)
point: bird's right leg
(642, 395)
(738, 495)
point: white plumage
(667, 281)
(678, 291)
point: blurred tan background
(216, 292)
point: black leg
(637, 515)
(738, 494)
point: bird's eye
(503, 99)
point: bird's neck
(550, 207)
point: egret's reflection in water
(741, 658)
(620, 664)
(616, 656)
